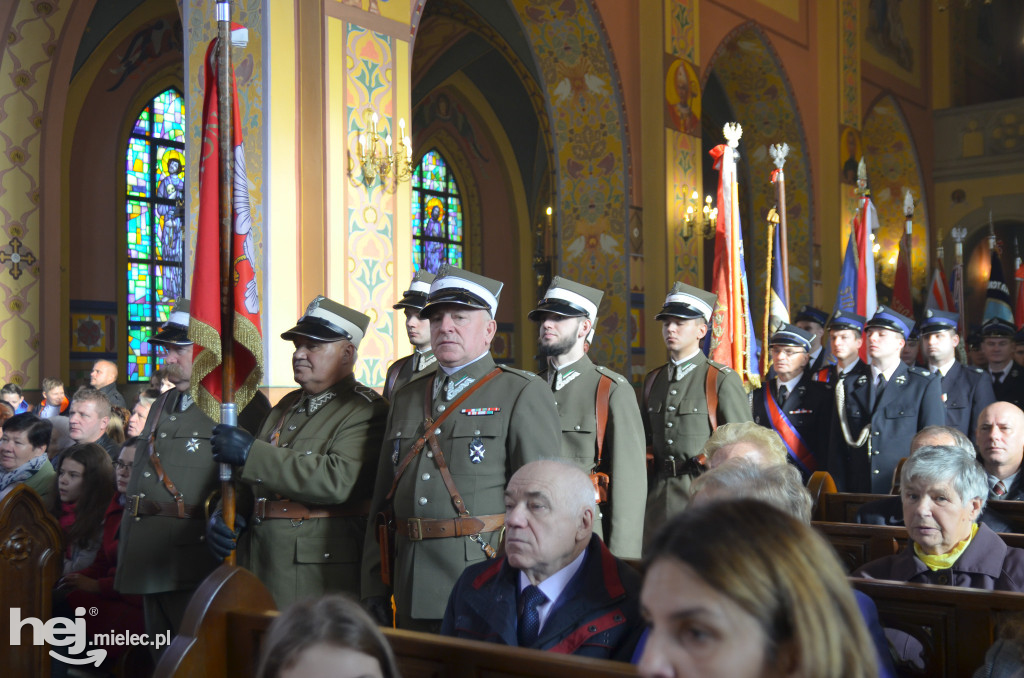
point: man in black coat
(966, 391)
(792, 404)
(558, 588)
(845, 338)
(876, 416)
(1001, 448)
(813, 320)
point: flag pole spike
(225, 120)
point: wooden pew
(858, 544)
(955, 626)
(30, 564)
(230, 612)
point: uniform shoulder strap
(393, 375)
(711, 393)
(649, 383)
(604, 389)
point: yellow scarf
(944, 561)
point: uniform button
(430, 455)
(326, 556)
(146, 474)
(943, 579)
(309, 451)
(195, 433)
(157, 454)
(284, 444)
(437, 431)
(576, 427)
(877, 433)
(163, 435)
(673, 392)
(668, 442)
(202, 537)
(591, 629)
(556, 402)
(901, 413)
(668, 424)
(876, 452)
(425, 476)
(173, 418)
(672, 408)
(875, 471)
(476, 432)
(137, 519)
(695, 409)
(398, 435)
(423, 501)
(441, 408)
(292, 427)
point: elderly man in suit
(1001, 448)
(877, 416)
(558, 588)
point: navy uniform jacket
(819, 363)
(912, 399)
(827, 374)
(409, 368)
(966, 391)
(809, 409)
(1011, 390)
(597, 614)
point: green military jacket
(508, 422)
(623, 455)
(163, 553)
(411, 367)
(677, 424)
(326, 454)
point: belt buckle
(133, 505)
(670, 466)
(259, 511)
(415, 529)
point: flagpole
(733, 132)
(908, 212)
(229, 414)
(959, 233)
(779, 153)
(773, 218)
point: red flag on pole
(732, 328)
(902, 302)
(205, 327)
(938, 290)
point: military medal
(564, 378)
(476, 450)
(394, 452)
(192, 445)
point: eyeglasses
(788, 352)
(118, 465)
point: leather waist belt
(285, 508)
(415, 529)
(137, 506)
(673, 467)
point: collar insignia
(901, 379)
(424, 360)
(318, 401)
(185, 402)
(683, 370)
(563, 378)
(453, 389)
(861, 380)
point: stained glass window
(155, 211)
(437, 231)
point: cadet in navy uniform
(845, 337)
(877, 416)
(966, 391)
(997, 346)
(813, 320)
(792, 403)
(421, 363)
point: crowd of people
(476, 500)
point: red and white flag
(938, 290)
(205, 325)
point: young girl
(84, 486)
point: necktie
(879, 390)
(529, 619)
(999, 489)
(783, 394)
(997, 377)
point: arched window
(155, 207)
(437, 233)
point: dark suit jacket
(911, 400)
(818, 363)
(597, 614)
(827, 374)
(966, 392)
(1011, 389)
(808, 408)
(889, 511)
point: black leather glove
(230, 444)
(219, 539)
(379, 608)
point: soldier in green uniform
(311, 468)
(421, 362)
(566, 316)
(679, 412)
(479, 423)
(162, 550)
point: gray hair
(944, 463)
(778, 484)
(765, 439)
(577, 490)
(960, 439)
